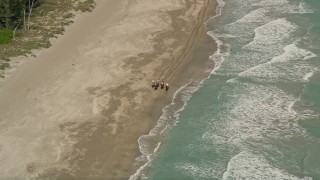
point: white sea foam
(214, 138)
(257, 113)
(219, 55)
(263, 12)
(244, 26)
(271, 3)
(293, 53)
(301, 8)
(247, 2)
(285, 6)
(308, 76)
(269, 40)
(246, 165)
(292, 65)
(219, 8)
(202, 170)
(290, 107)
(269, 36)
(304, 8)
(138, 173)
(257, 15)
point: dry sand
(77, 109)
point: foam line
(308, 76)
(291, 65)
(246, 165)
(268, 36)
(169, 116)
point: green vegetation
(4, 66)
(6, 36)
(13, 12)
(85, 6)
(48, 18)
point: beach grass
(47, 21)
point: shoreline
(96, 98)
(194, 60)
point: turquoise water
(258, 115)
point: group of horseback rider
(157, 84)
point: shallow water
(257, 115)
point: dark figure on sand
(162, 85)
(157, 85)
(153, 84)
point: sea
(257, 115)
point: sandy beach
(76, 110)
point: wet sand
(77, 109)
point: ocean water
(257, 116)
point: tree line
(16, 13)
